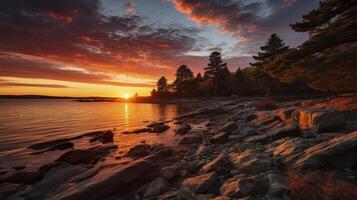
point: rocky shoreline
(235, 149)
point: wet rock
(104, 138)
(285, 114)
(159, 128)
(286, 130)
(251, 161)
(191, 139)
(47, 144)
(221, 164)
(156, 187)
(205, 183)
(139, 151)
(24, 177)
(62, 146)
(221, 137)
(141, 130)
(155, 124)
(288, 148)
(183, 130)
(243, 186)
(321, 120)
(337, 152)
(77, 156)
(6, 189)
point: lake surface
(24, 122)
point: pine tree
(272, 48)
(216, 70)
(162, 86)
(184, 78)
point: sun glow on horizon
(126, 96)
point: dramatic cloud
(251, 22)
(12, 84)
(77, 33)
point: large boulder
(337, 152)
(139, 151)
(221, 164)
(204, 183)
(321, 120)
(251, 161)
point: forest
(324, 63)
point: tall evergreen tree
(184, 78)
(162, 86)
(216, 70)
(272, 48)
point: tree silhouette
(272, 48)
(216, 70)
(162, 86)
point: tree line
(326, 62)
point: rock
(47, 144)
(277, 184)
(337, 152)
(104, 138)
(155, 124)
(139, 151)
(159, 128)
(120, 180)
(204, 150)
(202, 184)
(77, 156)
(243, 186)
(181, 194)
(183, 130)
(156, 187)
(229, 127)
(62, 146)
(6, 189)
(251, 161)
(141, 130)
(24, 177)
(221, 137)
(286, 130)
(321, 120)
(169, 173)
(49, 166)
(191, 139)
(53, 182)
(104, 149)
(288, 148)
(221, 164)
(285, 114)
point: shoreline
(223, 149)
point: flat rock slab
(337, 152)
(201, 184)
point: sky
(118, 47)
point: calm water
(24, 122)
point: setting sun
(126, 96)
